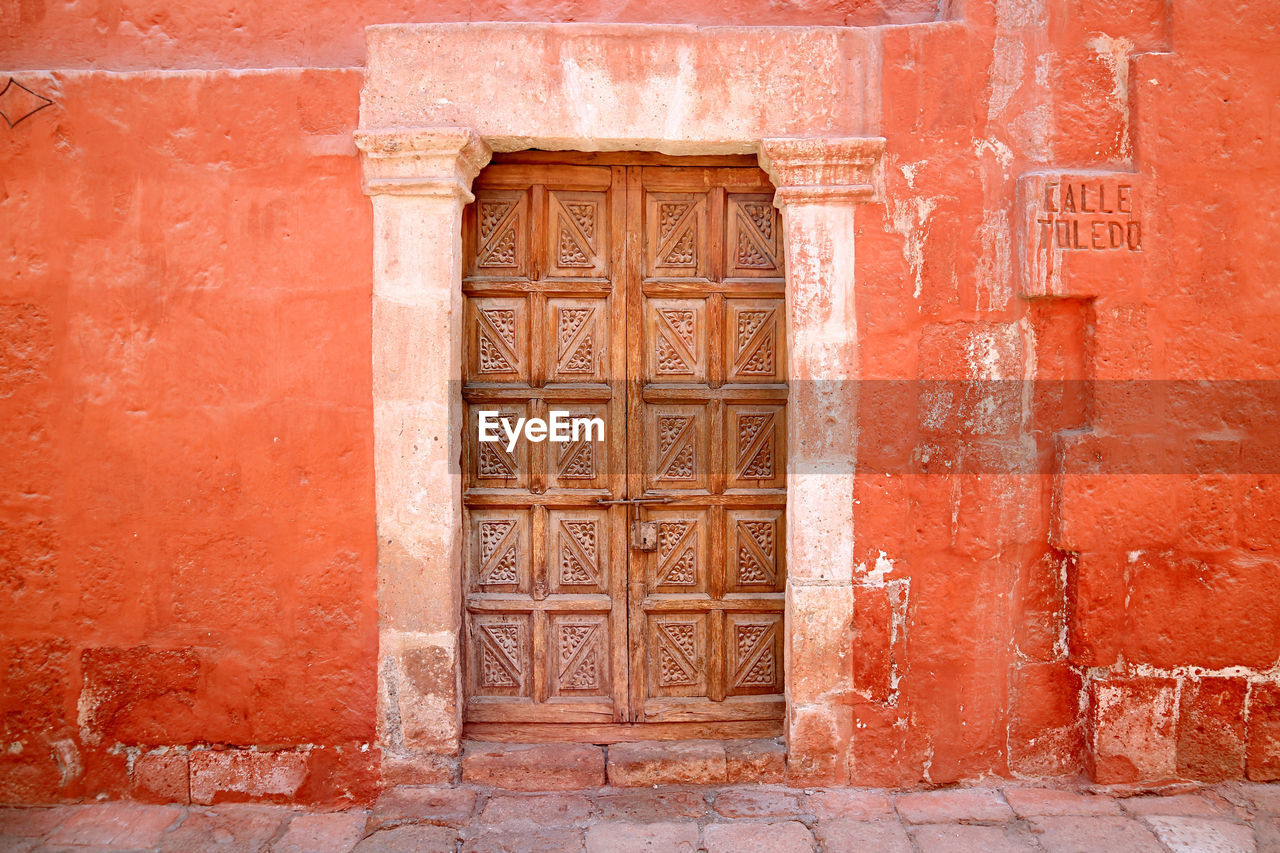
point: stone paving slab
(771, 818)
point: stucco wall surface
(187, 538)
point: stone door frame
(419, 177)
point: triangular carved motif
(499, 653)
(755, 656)
(492, 359)
(499, 561)
(749, 255)
(761, 216)
(584, 214)
(670, 360)
(681, 254)
(669, 216)
(677, 553)
(755, 446)
(503, 322)
(579, 662)
(583, 358)
(494, 462)
(756, 561)
(750, 569)
(502, 252)
(676, 653)
(577, 461)
(491, 215)
(681, 321)
(574, 339)
(570, 254)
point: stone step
(695, 762)
(533, 766)
(575, 766)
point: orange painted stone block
(1211, 729)
(162, 778)
(1133, 730)
(239, 775)
(1262, 756)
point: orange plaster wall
(187, 545)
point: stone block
(533, 767)
(820, 657)
(525, 839)
(953, 806)
(762, 761)
(1262, 755)
(856, 836)
(320, 833)
(245, 775)
(234, 826)
(845, 803)
(31, 822)
(969, 838)
(688, 762)
(1046, 736)
(1087, 833)
(161, 777)
(818, 745)
(1211, 729)
(114, 825)
(140, 695)
(1185, 805)
(786, 837)
(1027, 802)
(434, 805)
(757, 802)
(643, 838)
(419, 769)
(1133, 722)
(651, 805)
(410, 839)
(542, 809)
(1197, 834)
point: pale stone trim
(420, 180)
(819, 184)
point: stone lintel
(430, 161)
(823, 169)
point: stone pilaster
(419, 180)
(820, 182)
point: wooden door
(651, 297)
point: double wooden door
(637, 580)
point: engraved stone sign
(1071, 222)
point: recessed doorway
(629, 585)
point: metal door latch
(644, 535)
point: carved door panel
(650, 297)
(706, 431)
(545, 611)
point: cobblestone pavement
(733, 819)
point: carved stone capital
(422, 161)
(823, 170)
